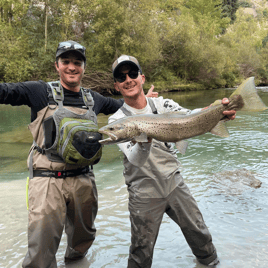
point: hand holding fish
(149, 140)
(230, 114)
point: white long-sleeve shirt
(138, 153)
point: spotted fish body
(175, 127)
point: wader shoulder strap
(126, 111)
(57, 92)
(151, 103)
(87, 98)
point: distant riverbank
(102, 82)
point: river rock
(235, 181)
(264, 89)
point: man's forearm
(137, 153)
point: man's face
(130, 87)
(71, 68)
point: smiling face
(131, 88)
(71, 68)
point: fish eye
(111, 128)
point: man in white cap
(153, 178)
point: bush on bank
(181, 45)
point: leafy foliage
(229, 8)
(209, 42)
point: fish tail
(251, 99)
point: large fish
(175, 127)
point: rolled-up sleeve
(136, 153)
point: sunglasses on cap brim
(67, 45)
(121, 77)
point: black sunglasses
(67, 45)
(121, 77)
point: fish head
(119, 131)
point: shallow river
(236, 214)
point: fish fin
(220, 130)
(182, 146)
(142, 138)
(252, 101)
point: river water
(235, 213)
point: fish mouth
(111, 139)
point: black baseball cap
(123, 60)
(71, 46)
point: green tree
(229, 8)
(14, 63)
(208, 14)
(245, 37)
(190, 43)
(120, 27)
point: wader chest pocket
(78, 141)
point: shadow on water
(235, 214)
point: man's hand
(149, 140)
(230, 114)
(152, 94)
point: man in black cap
(61, 194)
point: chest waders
(149, 181)
(69, 137)
(65, 144)
(157, 188)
